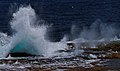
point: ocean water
(63, 14)
(43, 27)
(52, 34)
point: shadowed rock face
(71, 45)
(17, 54)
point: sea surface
(62, 14)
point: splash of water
(4, 39)
(97, 32)
(29, 36)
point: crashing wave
(30, 38)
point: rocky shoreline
(92, 59)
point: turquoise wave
(24, 46)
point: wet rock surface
(58, 64)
